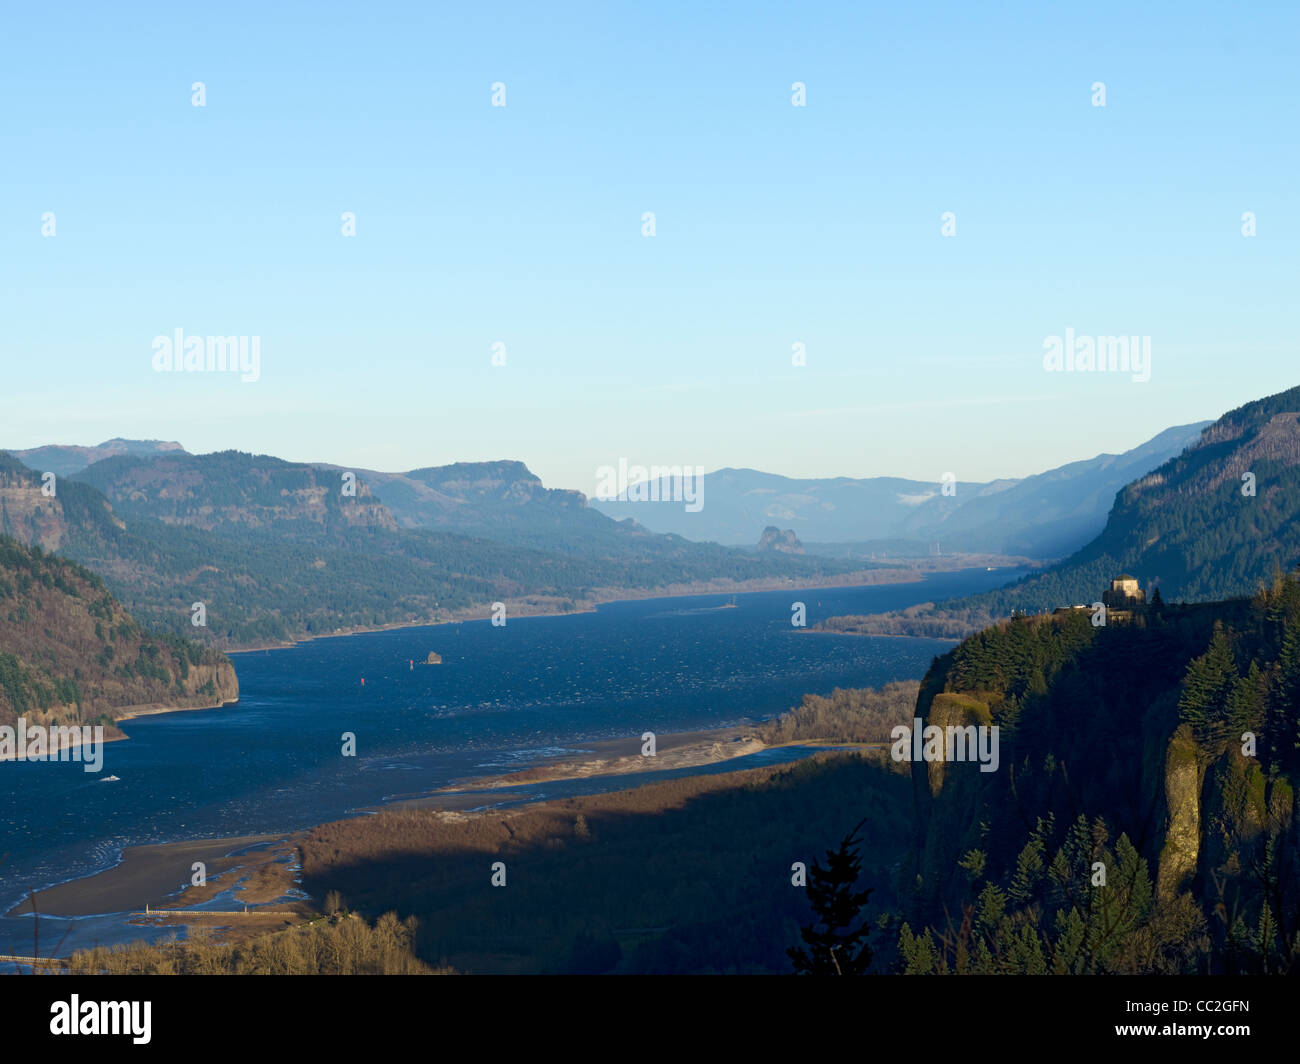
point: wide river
(503, 697)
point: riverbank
(615, 757)
(152, 877)
(158, 876)
(554, 606)
(153, 709)
(112, 733)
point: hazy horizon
(497, 168)
(330, 462)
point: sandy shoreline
(146, 876)
(616, 757)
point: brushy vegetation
(847, 715)
(924, 621)
(342, 945)
(689, 875)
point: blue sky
(522, 225)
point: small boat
(110, 779)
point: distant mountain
(1043, 516)
(503, 501)
(64, 460)
(237, 493)
(740, 503)
(280, 550)
(1188, 526)
(70, 653)
(1215, 522)
(1049, 514)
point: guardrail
(56, 962)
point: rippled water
(503, 698)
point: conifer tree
(1206, 685)
(834, 946)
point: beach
(148, 876)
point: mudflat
(146, 876)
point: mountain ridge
(1197, 526)
(1045, 515)
(279, 551)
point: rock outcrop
(775, 541)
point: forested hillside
(70, 653)
(277, 550)
(1143, 817)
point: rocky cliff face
(503, 482)
(1182, 814)
(28, 515)
(474, 497)
(36, 512)
(205, 686)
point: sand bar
(146, 875)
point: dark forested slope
(1142, 817)
(69, 652)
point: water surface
(504, 697)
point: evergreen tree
(835, 948)
(1206, 686)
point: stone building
(1124, 594)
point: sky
(523, 225)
